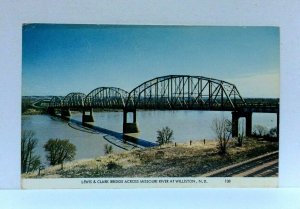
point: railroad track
(262, 166)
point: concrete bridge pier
(87, 118)
(130, 127)
(65, 112)
(235, 123)
(51, 111)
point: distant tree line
(263, 131)
(28, 108)
(26, 105)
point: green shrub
(112, 165)
(59, 150)
(108, 149)
(164, 136)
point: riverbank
(182, 160)
(35, 111)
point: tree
(29, 161)
(26, 104)
(108, 149)
(260, 130)
(59, 150)
(222, 128)
(164, 136)
(273, 132)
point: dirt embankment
(182, 160)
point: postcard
(142, 106)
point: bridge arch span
(74, 100)
(106, 97)
(55, 102)
(178, 92)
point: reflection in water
(127, 139)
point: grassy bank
(184, 160)
(34, 111)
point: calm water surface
(187, 125)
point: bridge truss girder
(180, 92)
(73, 100)
(55, 102)
(106, 97)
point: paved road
(261, 166)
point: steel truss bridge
(172, 92)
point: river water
(187, 125)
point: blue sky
(59, 59)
